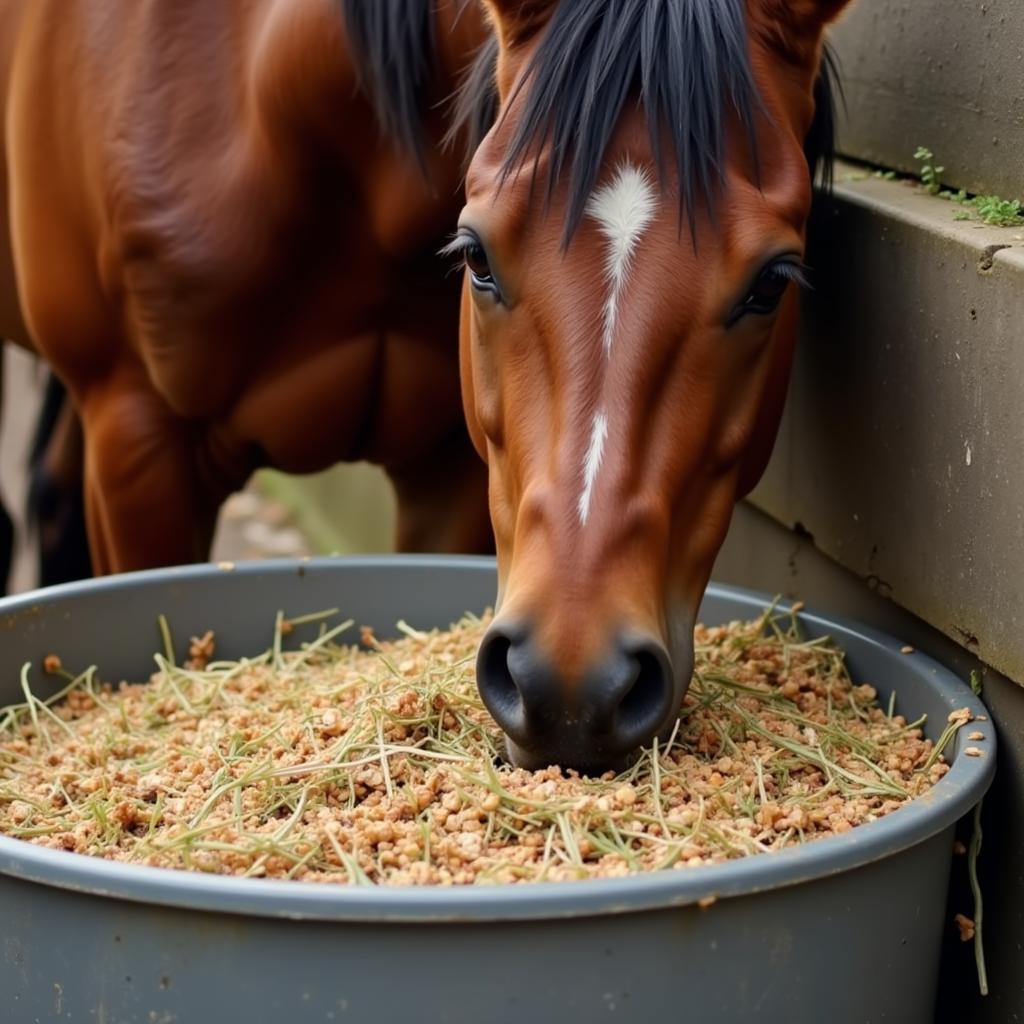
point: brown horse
(633, 241)
(226, 261)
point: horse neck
(306, 89)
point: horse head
(633, 239)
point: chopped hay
(378, 764)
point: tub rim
(922, 819)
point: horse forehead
(633, 225)
(489, 175)
(623, 207)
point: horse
(633, 241)
(221, 232)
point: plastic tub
(844, 929)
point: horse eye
(767, 292)
(479, 268)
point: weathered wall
(902, 447)
(946, 74)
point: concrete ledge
(902, 448)
(947, 74)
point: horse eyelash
(798, 273)
(452, 252)
(461, 241)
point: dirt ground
(22, 394)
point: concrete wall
(946, 74)
(902, 448)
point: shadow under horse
(55, 508)
(222, 235)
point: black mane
(687, 62)
(820, 144)
(393, 45)
(474, 107)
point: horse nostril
(517, 683)
(645, 703)
(496, 684)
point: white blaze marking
(624, 208)
(592, 463)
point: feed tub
(844, 929)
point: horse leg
(145, 502)
(96, 531)
(442, 500)
(56, 507)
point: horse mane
(687, 62)
(473, 108)
(394, 48)
(820, 144)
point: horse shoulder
(199, 216)
(152, 203)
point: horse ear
(828, 10)
(796, 27)
(805, 15)
(517, 20)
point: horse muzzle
(593, 722)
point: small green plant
(994, 210)
(1004, 213)
(976, 684)
(930, 173)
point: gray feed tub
(844, 929)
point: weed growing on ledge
(1006, 213)
(930, 173)
(992, 210)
